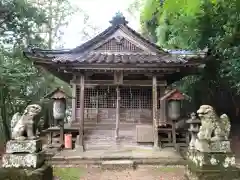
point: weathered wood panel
(108, 115)
(100, 139)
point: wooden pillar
(81, 123)
(61, 126)
(117, 112)
(154, 106)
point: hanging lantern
(174, 105)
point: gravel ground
(141, 173)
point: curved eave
(79, 65)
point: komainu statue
(24, 124)
(212, 127)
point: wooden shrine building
(117, 79)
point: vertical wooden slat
(117, 112)
(81, 124)
(97, 108)
(74, 88)
(155, 122)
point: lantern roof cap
(58, 93)
(174, 94)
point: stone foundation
(34, 160)
(24, 160)
(43, 173)
(194, 173)
(118, 165)
(211, 166)
(207, 160)
(25, 146)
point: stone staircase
(118, 165)
(102, 136)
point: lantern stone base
(25, 146)
(79, 147)
(211, 166)
(21, 160)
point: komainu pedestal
(24, 158)
(211, 157)
(211, 166)
(26, 146)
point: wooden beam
(154, 110)
(117, 112)
(125, 83)
(81, 124)
(137, 66)
(154, 69)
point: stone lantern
(59, 109)
(174, 105)
(194, 123)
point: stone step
(118, 165)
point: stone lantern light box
(174, 104)
(59, 103)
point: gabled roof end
(118, 19)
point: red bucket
(68, 141)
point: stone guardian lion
(212, 127)
(21, 125)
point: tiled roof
(105, 58)
(83, 55)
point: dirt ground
(141, 173)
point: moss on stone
(220, 160)
(43, 173)
(211, 172)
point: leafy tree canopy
(22, 23)
(194, 25)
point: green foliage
(194, 25)
(19, 21)
(68, 173)
(23, 23)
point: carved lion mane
(212, 124)
(24, 124)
